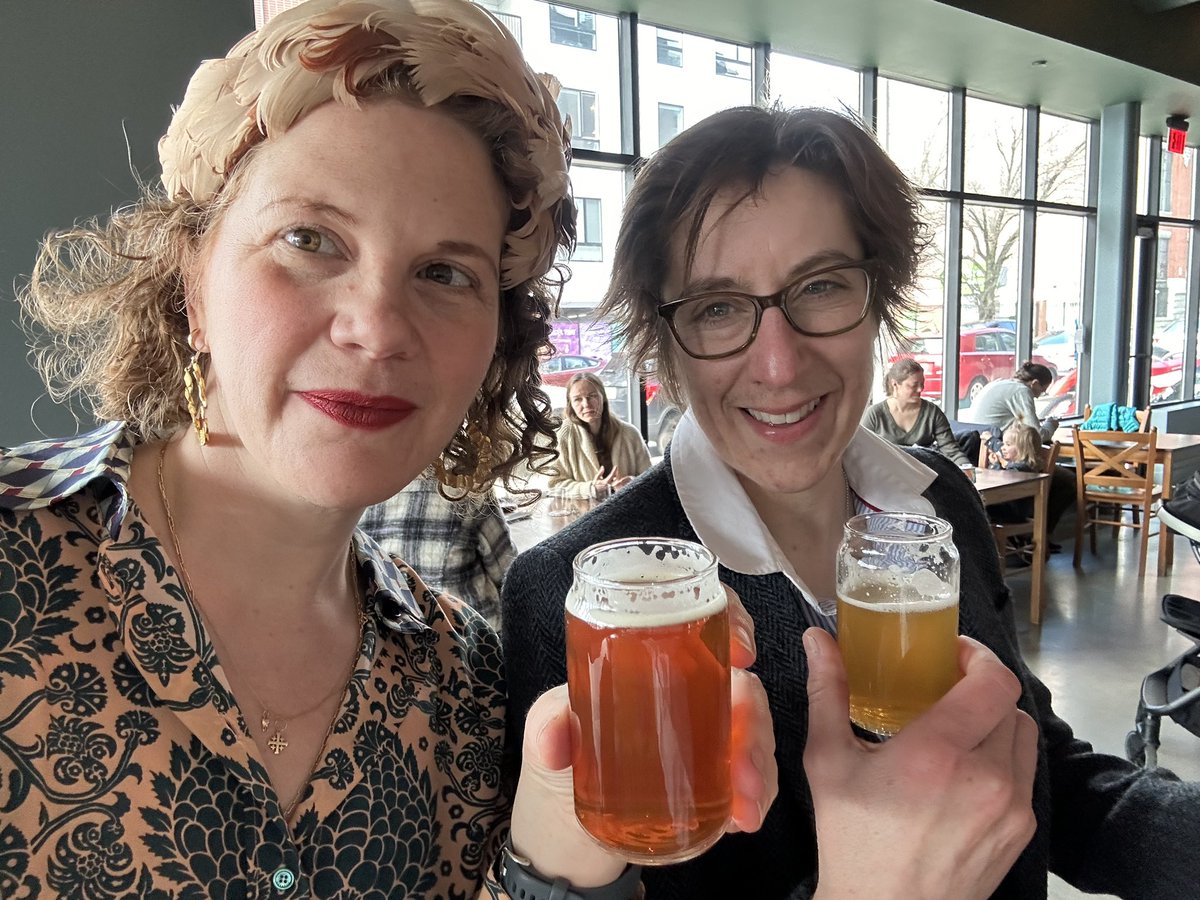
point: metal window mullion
(627, 73)
(952, 310)
(1192, 313)
(868, 97)
(760, 74)
(1028, 226)
(1153, 176)
(1083, 377)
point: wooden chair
(1114, 470)
(1002, 532)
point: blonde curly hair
(107, 299)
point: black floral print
(126, 769)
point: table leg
(1166, 552)
(1039, 550)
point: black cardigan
(1103, 825)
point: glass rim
(939, 528)
(710, 560)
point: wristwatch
(523, 882)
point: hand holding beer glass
(649, 682)
(897, 586)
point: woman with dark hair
(211, 683)
(761, 253)
(597, 452)
(908, 420)
(1009, 400)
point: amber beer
(648, 675)
(897, 615)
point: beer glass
(897, 615)
(648, 676)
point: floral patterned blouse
(126, 768)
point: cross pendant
(277, 743)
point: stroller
(1173, 690)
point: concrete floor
(1100, 636)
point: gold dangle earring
(483, 465)
(195, 392)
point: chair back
(1142, 416)
(1114, 462)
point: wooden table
(1180, 457)
(1000, 485)
(531, 525)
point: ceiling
(988, 46)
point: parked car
(559, 368)
(1166, 378)
(1060, 348)
(984, 355)
(661, 417)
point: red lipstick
(357, 410)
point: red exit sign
(1176, 140)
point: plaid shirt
(460, 547)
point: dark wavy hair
(736, 150)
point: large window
(580, 107)
(994, 158)
(572, 27)
(1062, 159)
(923, 153)
(693, 85)
(806, 82)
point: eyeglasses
(822, 303)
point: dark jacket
(1103, 825)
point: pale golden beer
(648, 676)
(897, 615)
(901, 655)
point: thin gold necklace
(269, 721)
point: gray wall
(76, 78)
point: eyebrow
(465, 248)
(819, 260)
(314, 206)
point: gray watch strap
(523, 882)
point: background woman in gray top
(908, 421)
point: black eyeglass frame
(764, 302)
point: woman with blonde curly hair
(212, 684)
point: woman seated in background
(597, 452)
(908, 421)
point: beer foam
(901, 600)
(649, 618)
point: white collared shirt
(881, 475)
